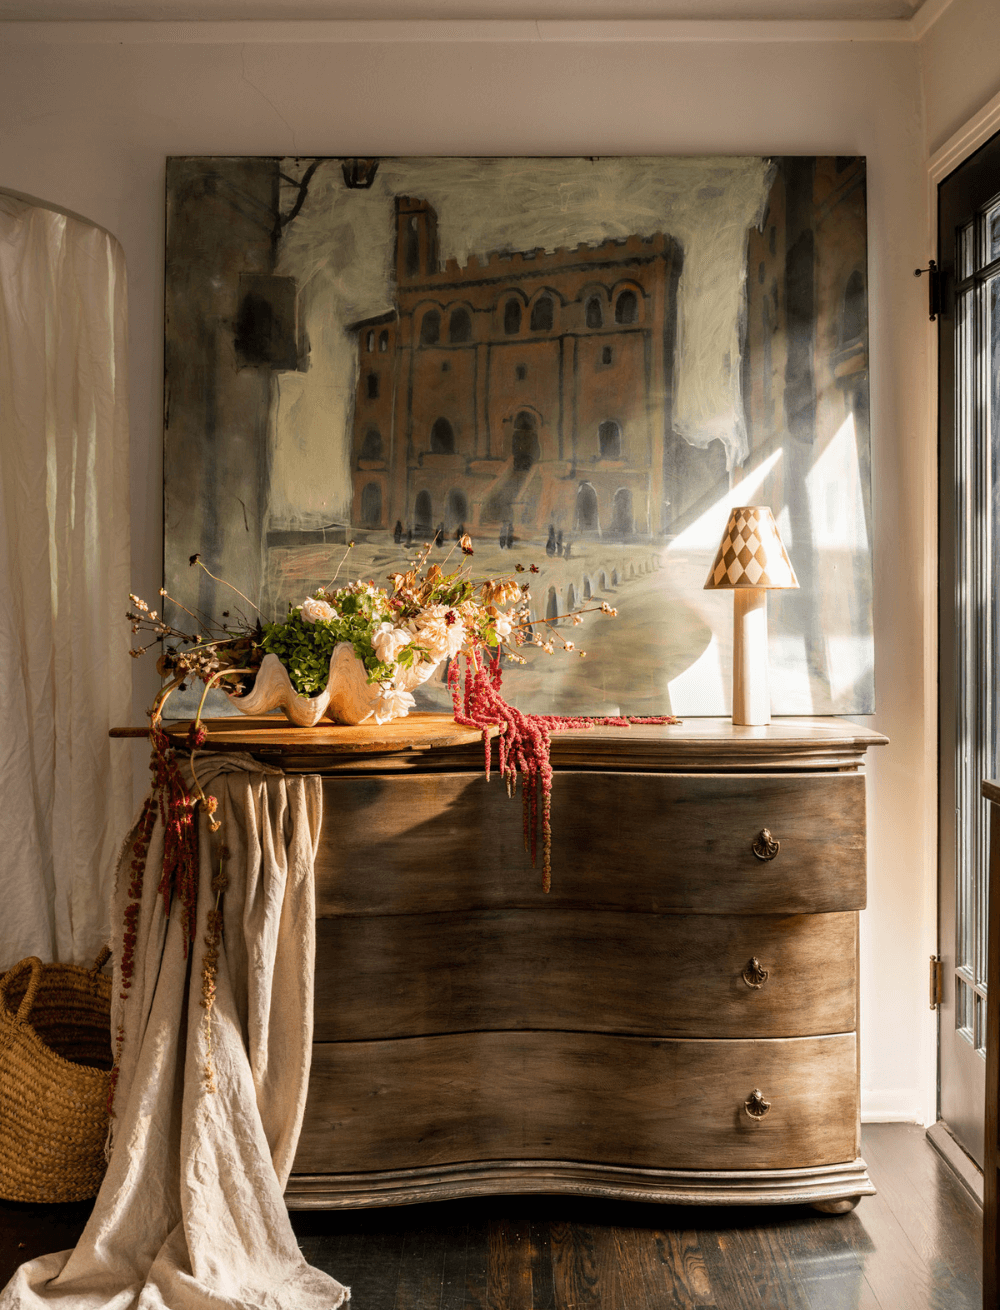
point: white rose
(315, 610)
(389, 641)
(393, 704)
(503, 627)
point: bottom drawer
(653, 1102)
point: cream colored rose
(502, 626)
(389, 641)
(315, 610)
(393, 704)
(432, 629)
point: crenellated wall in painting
(582, 362)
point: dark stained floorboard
(915, 1246)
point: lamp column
(751, 693)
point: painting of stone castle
(582, 363)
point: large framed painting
(583, 363)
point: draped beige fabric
(191, 1215)
(65, 674)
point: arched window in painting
(621, 520)
(602, 580)
(383, 342)
(371, 505)
(457, 510)
(586, 508)
(570, 598)
(460, 326)
(609, 437)
(587, 589)
(524, 446)
(610, 440)
(423, 517)
(855, 314)
(430, 328)
(552, 605)
(627, 308)
(371, 447)
(542, 314)
(595, 314)
(371, 342)
(412, 252)
(442, 437)
(512, 317)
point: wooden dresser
(675, 1021)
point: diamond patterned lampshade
(751, 554)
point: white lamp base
(751, 695)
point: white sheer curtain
(65, 675)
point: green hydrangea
(305, 648)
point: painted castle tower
(533, 389)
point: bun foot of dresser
(842, 1206)
(833, 1189)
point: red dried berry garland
(171, 800)
(524, 742)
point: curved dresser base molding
(524, 1177)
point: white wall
(87, 116)
(960, 59)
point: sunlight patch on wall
(705, 532)
(836, 499)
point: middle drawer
(683, 975)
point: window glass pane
(967, 781)
(989, 366)
(963, 1008)
(993, 233)
(965, 255)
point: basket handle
(103, 956)
(33, 963)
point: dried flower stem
(350, 547)
(196, 559)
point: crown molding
(966, 141)
(460, 31)
(926, 16)
(475, 31)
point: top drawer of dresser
(653, 843)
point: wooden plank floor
(915, 1246)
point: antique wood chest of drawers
(675, 1021)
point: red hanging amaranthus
(524, 742)
(170, 799)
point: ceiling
(215, 10)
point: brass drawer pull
(755, 975)
(765, 847)
(757, 1107)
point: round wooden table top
(418, 731)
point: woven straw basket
(55, 1062)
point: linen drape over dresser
(190, 1214)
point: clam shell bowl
(348, 696)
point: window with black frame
(969, 640)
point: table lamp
(751, 561)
